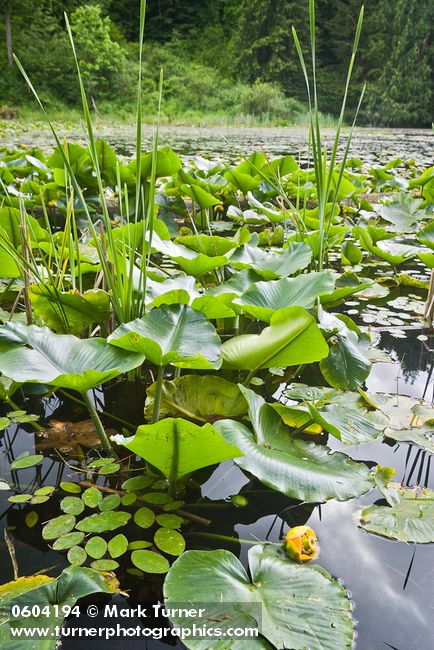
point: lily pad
(72, 505)
(103, 522)
(410, 520)
(92, 497)
(170, 541)
(58, 526)
(96, 547)
(165, 336)
(200, 398)
(26, 460)
(294, 606)
(144, 517)
(149, 561)
(118, 545)
(35, 354)
(67, 541)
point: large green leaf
(291, 339)
(302, 470)
(203, 199)
(34, 354)
(178, 447)
(410, 520)
(34, 593)
(167, 163)
(271, 265)
(352, 426)
(197, 397)
(410, 420)
(67, 311)
(262, 299)
(293, 606)
(191, 262)
(174, 334)
(403, 212)
(209, 245)
(422, 436)
(10, 237)
(346, 366)
(393, 252)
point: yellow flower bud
(301, 544)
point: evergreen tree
(264, 45)
(401, 64)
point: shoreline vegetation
(108, 115)
(224, 63)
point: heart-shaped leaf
(293, 338)
(410, 520)
(34, 354)
(178, 447)
(262, 299)
(302, 470)
(294, 606)
(171, 334)
(196, 397)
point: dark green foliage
(224, 57)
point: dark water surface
(391, 584)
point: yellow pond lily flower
(301, 544)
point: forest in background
(230, 60)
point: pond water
(391, 584)
(373, 145)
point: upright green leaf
(178, 447)
(34, 354)
(291, 339)
(171, 334)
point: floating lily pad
(294, 606)
(77, 555)
(170, 541)
(137, 483)
(96, 547)
(149, 561)
(410, 520)
(169, 521)
(72, 505)
(103, 522)
(68, 486)
(144, 517)
(118, 545)
(110, 502)
(104, 565)
(67, 541)
(92, 497)
(26, 460)
(58, 526)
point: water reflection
(391, 583)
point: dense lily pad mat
(410, 520)
(294, 606)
